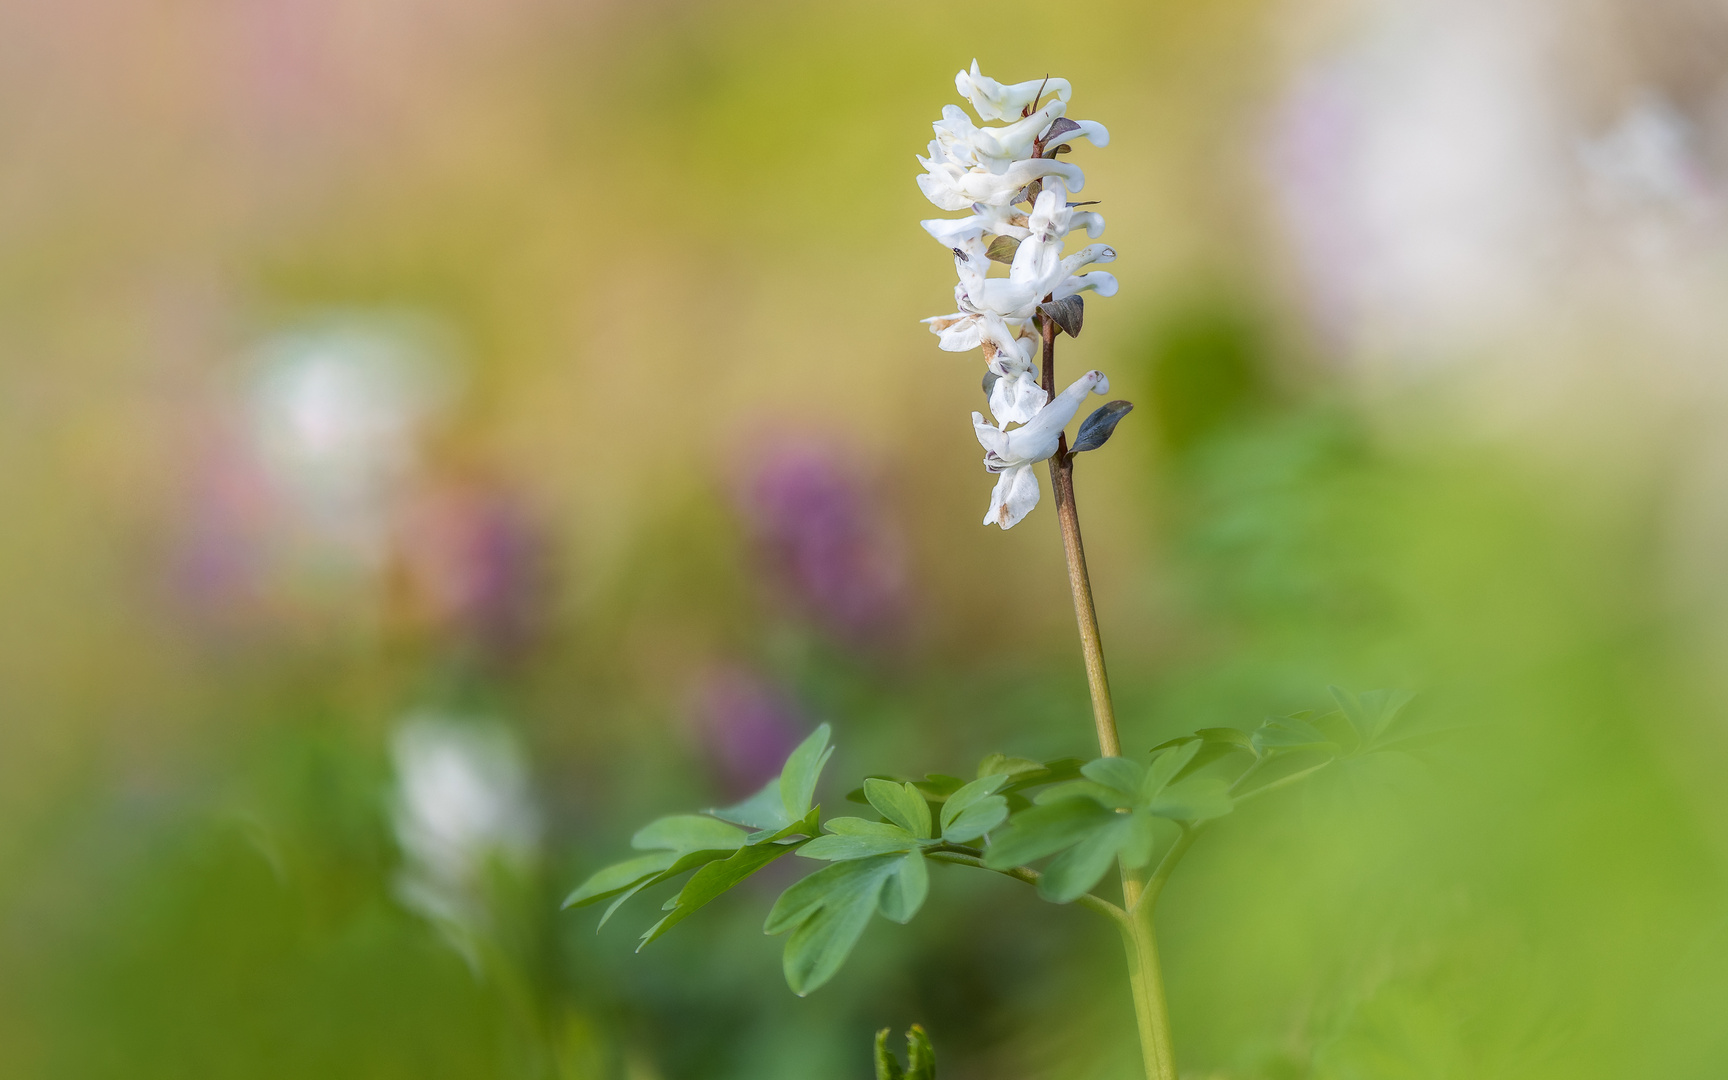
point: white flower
(964, 331)
(1015, 399)
(1011, 454)
(994, 101)
(461, 799)
(985, 221)
(992, 149)
(953, 186)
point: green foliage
(1084, 817)
(920, 1057)
(974, 809)
(722, 853)
(1109, 815)
(828, 910)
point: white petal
(941, 185)
(1088, 129)
(1092, 222)
(1000, 189)
(1016, 399)
(1086, 256)
(1102, 281)
(1016, 358)
(994, 101)
(1016, 493)
(990, 437)
(1038, 438)
(972, 262)
(958, 332)
(950, 232)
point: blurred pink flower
(825, 541)
(746, 726)
(471, 564)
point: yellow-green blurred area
(437, 437)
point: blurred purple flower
(746, 725)
(471, 562)
(825, 542)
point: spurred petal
(994, 101)
(1092, 222)
(1037, 439)
(1102, 281)
(1088, 129)
(1091, 253)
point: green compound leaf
(688, 832)
(1278, 769)
(1281, 734)
(900, 803)
(974, 809)
(1130, 837)
(1196, 799)
(675, 844)
(1372, 712)
(826, 913)
(1044, 830)
(763, 810)
(1024, 773)
(1108, 816)
(1102, 794)
(1123, 775)
(904, 892)
(803, 767)
(1215, 744)
(1003, 765)
(788, 798)
(1165, 768)
(719, 876)
(937, 787)
(721, 852)
(856, 838)
(614, 879)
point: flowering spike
(1019, 214)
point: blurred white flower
(1012, 453)
(461, 805)
(337, 409)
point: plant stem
(1085, 613)
(1145, 979)
(947, 853)
(1151, 1014)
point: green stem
(1166, 866)
(1144, 976)
(948, 853)
(1146, 980)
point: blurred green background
(436, 437)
